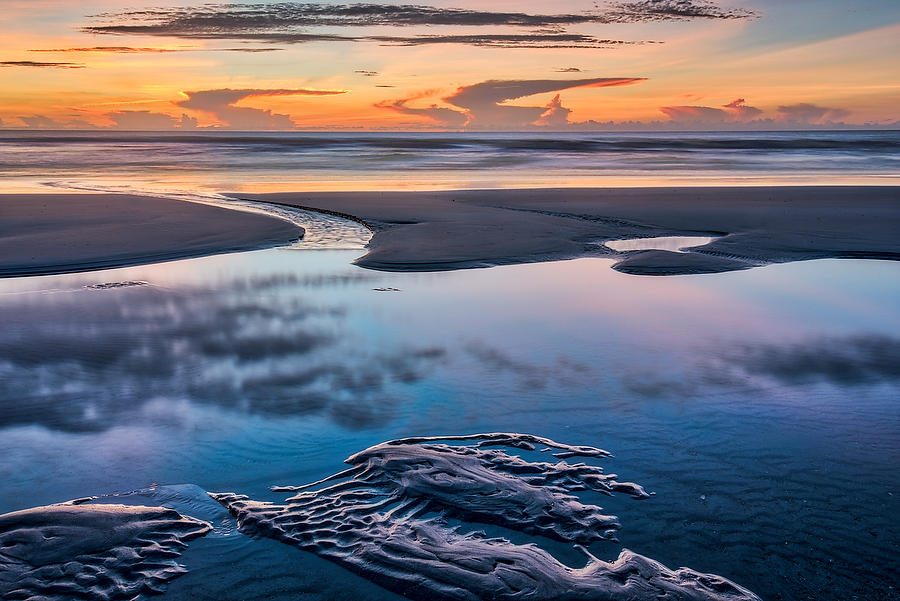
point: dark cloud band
(289, 22)
(41, 65)
(147, 50)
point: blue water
(259, 162)
(760, 406)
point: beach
(743, 402)
(432, 231)
(422, 231)
(60, 233)
(450, 301)
(183, 355)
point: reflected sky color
(672, 243)
(241, 371)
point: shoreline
(46, 234)
(42, 234)
(754, 226)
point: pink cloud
(221, 104)
(555, 115)
(444, 117)
(147, 120)
(695, 114)
(741, 111)
(483, 102)
(804, 113)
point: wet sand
(431, 231)
(103, 552)
(59, 233)
(428, 231)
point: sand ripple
(386, 517)
(98, 552)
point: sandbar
(459, 229)
(60, 233)
(431, 231)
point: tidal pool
(761, 407)
(672, 243)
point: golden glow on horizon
(851, 75)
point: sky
(498, 65)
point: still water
(760, 406)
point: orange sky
(807, 64)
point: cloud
(149, 50)
(247, 50)
(482, 102)
(111, 49)
(221, 104)
(568, 70)
(644, 11)
(289, 22)
(41, 122)
(805, 114)
(44, 122)
(445, 117)
(741, 111)
(366, 73)
(187, 122)
(147, 120)
(531, 40)
(695, 114)
(556, 114)
(738, 114)
(291, 15)
(735, 111)
(41, 65)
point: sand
(58, 233)
(431, 231)
(385, 518)
(102, 552)
(427, 231)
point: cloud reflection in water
(78, 363)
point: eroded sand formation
(74, 552)
(386, 518)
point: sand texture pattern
(386, 518)
(91, 552)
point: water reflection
(259, 333)
(91, 359)
(235, 372)
(848, 360)
(670, 243)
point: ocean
(270, 162)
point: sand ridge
(103, 552)
(433, 231)
(385, 518)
